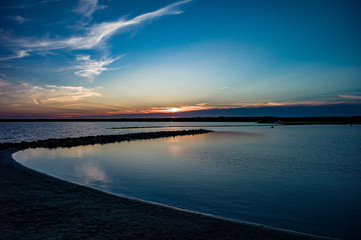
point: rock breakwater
(100, 139)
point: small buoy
(350, 125)
(272, 126)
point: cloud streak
(97, 33)
(18, 54)
(26, 4)
(89, 68)
(26, 100)
(88, 7)
(25, 94)
(351, 96)
(19, 19)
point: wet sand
(38, 206)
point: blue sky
(108, 58)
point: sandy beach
(38, 206)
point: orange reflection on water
(91, 172)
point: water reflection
(301, 177)
(90, 173)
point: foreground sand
(37, 206)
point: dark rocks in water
(101, 139)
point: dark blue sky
(104, 58)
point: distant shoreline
(263, 119)
(36, 205)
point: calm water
(30, 131)
(303, 178)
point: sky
(111, 58)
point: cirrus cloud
(95, 34)
(89, 68)
(25, 93)
(351, 96)
(88, 7)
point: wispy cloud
(19, 19)
(97, 33)
(63, 94)
(88, 7)
(351, 96)
(48, 1)
(90, 68)
(26, 4)
(18, 54)
(28, 100)
(25, 93)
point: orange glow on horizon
(173, 110)
(85, 110)
(204, 106)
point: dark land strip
(208, 126)
(259, 119)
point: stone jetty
(101, 139)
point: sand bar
(38, 206)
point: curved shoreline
(36, 205)
(100, 139)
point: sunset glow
(118, 58)
(173, 110)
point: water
(30, 131)
(303, 178)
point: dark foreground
(37, 206)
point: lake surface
(30, 131)
(302, 178)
